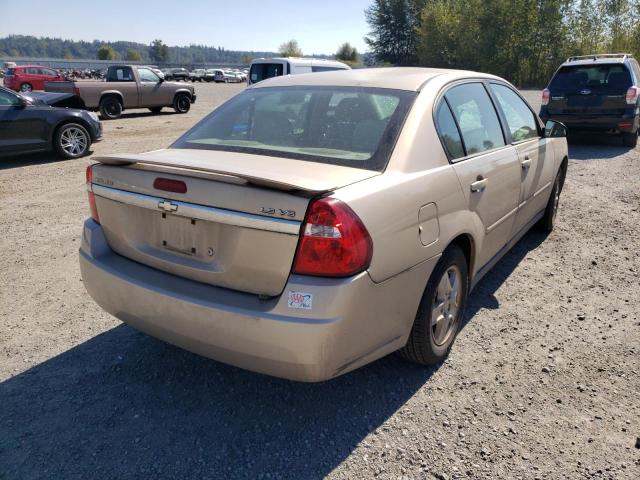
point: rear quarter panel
(418, 174)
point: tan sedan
(315, 223)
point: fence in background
(76, 64)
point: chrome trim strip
(494, 225)
(200, 212)
(542, 189)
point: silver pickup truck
(128, 86)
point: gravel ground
(543, 381)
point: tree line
(521, 40)
(156, 52)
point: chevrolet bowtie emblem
(167, 206)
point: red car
(25, 78)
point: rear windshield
(262, 71)
(350, 126)
(606, 79)
(120, 74)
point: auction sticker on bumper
(300, 300)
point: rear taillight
(546, 96)
(76, 91)
(92, 197)
(632, 95)
(333, 243)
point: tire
(26, 87)
(548, 221)
(182, 103)
(110, 108)
(429, 344)
(72, 140)
(630, 139)
(155, 109)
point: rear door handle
(526, 163)
(479, 185)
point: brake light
(632, 95)
(168, 185)
(76, 91)
(92, 197)
(334, 242)
(546, 96)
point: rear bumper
(352, 321)
(10, 83)
(628, 122)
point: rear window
(606, 79)
(349, 126)
(10, 71)
(263, 71)
(120, 74)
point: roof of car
(31, 66)
(596, 61)
(399, 78)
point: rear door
(487, 167)
(534, 151)
(590, 90)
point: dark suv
(596, 93)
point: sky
(319, 26)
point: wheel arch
(112, 93)
(467, 244)
(564, 165)
(66, 121)
(180, 91)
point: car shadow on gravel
(167, 112)
(28, 159)
(483, 295)
(124, 405)
(596, 146)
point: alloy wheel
(446, 306)
(73, 141)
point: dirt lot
(543, 381)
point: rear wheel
(182, 103)
(630, 139)
(110, 108)
(155, 109)
(72, 141)
(441, 309)
(26, 87)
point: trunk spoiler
(270, 172)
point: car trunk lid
(236, 225)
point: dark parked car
(177, 74)
(46, 121)
(596, 93)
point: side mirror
(553, 129)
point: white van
(263, 68)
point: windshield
(604, 79)
(350, 126)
